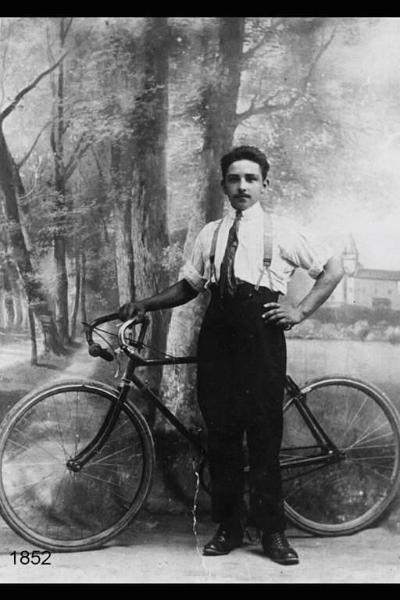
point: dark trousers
(241, 371)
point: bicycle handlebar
(97, 350)
(127, 347)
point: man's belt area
(245, 289)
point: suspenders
(268, 238)
(213, 274)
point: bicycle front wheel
(47, 503)
(351, 493)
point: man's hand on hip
(282, 315)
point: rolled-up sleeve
(194, 268)
(303, 248)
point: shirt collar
(253, 213)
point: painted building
(373, 288)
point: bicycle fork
(75, 464)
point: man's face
(244, 184)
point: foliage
(350, 314)
(330, 131)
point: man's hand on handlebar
(131, 309)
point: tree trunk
(33, 288)
(32, 329)
(3, 310)
(57, 143)
(16, 294)
(149, 189)
(61, 291)
(219, 118)
(83, 290)
(121, 168)
(77, 292)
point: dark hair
(245, 153)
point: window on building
(381, 303)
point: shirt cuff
(193, 277)
(316, 270)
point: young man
(241, 347)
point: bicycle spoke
(28, 464)
(369, 446)
(59, 431)
(378, 473)
(113, 492)
(100, 479)
(28, 486)
(312, 476)
(118, 427)
(109, 466)
(58, 489)
(375, 458)
(365, 435)
(107, 456)
(76, 423)
(43, 423)
(383, 467)
(27, 448)
(354, 417)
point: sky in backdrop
(373, 66)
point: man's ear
(266, 182)
(223, 186)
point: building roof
(351, 246)
(380, 274)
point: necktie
(227, 281)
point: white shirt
(293, 247)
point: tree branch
(67, 28)
(28, 88)
(97, 161)
(3, 60)
(51, 59)
(250, 52)
(268, 106)
(66, 125)
(73, 162)
(27, 155)
(318, 55)
(249, 112)
(53, 144)
(74, 152)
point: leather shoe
(223, 541)
(278, 549)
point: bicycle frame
(328, 488)
(124, 387)
(328, 450)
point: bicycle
(77, 457)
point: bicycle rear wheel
(48, 504)
(348, 495)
